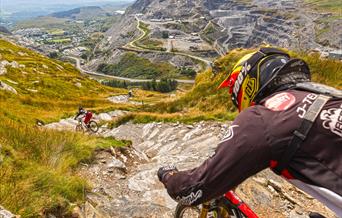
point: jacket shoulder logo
(280, 102)
(332, 119)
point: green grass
(37, 173)
(334, 6)
(37, 166)
(133, 66)
(56, 32)
(150, 44)
(37, 169)
(54, 81)
(145, 28)
(145, 42)
(43, 22)
(148, 117)
(205, 100)
(65, 40)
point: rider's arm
(243, 153)
(77, 115)
(81, 112)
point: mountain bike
(92, 126)
(229, 205)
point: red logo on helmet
(280, 102)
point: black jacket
(257, 138)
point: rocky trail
(124, 181)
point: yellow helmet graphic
(252, 76)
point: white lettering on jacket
(229, 134)
(307, 101)
(280, 102)
(191, 198)
(332, 119)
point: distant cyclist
(287, 123)
(130, 94)
(82, 113)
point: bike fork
(204, 210)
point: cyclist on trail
(130, 94)
(287, 123)
(82, 113)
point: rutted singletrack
(124, 181)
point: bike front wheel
(93, 126)
(222, 209)
(79, 128)
(185, 211)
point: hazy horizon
(14, 10)
(26, 5)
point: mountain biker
(82, 113)
(286, 122)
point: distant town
(49, 42)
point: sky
(45, 2)
(19, 5)
(15, 10)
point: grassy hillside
(326, 5)
(95, 19)
(133, 66)
(36, 165)
(47, 89)
(204, 101)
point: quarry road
(79, 67)
(143, 34)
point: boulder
(32, 90)
(22, 54)
(116, 163)
(5, 213)
(104, 116)
(119, 99)
(14, 64)
(3, 70)
(4, 86)
(11, 81)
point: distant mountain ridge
(178, 9)
(229, 24)
(81, 12)
(4, 30)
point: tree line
(165, 85)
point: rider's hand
(165, 171)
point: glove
(166, 170)
(316, 215)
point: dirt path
(78, 66)
(132, 44)
(125, 184)
(124, 181)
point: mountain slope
(205, 99)
(44, 85)
(4, 30)
(82, 13)
(37, 166)
(226, 25)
